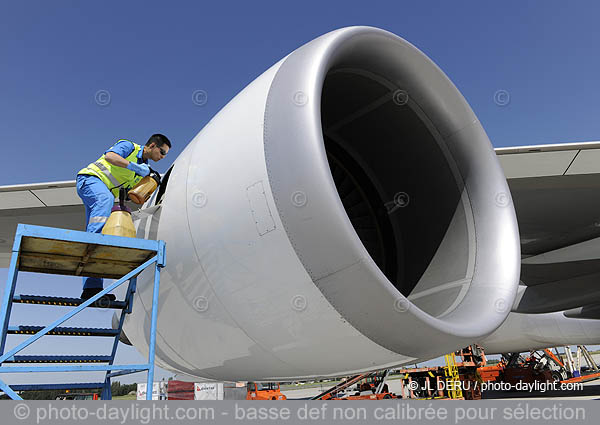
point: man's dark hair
(159, 140)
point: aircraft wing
(556, 194)
(53, 204)
(555, 189)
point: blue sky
(60, 59)
(55, 56)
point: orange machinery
(373, 385)
(264, 391)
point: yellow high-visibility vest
(112, 176)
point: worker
(98, 184)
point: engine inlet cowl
(390, 192)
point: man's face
(158, 153)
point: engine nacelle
(345, 212)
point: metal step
(59, 359)
(63, 331)
(39, 387)
(64, 301)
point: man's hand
(139, 169)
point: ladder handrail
(154, 249)
(76, 310)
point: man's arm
(118, 152)
(117, 156)
(116, 159)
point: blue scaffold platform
(73, 253)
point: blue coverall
(99, 200)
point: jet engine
(345, 212)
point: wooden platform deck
(87, 254)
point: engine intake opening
(397, 185)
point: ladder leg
(153, 332)
(106, 390)
(9, 292)
(128, 304)
(9, 392)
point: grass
(125, 397)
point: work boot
(88, 293)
